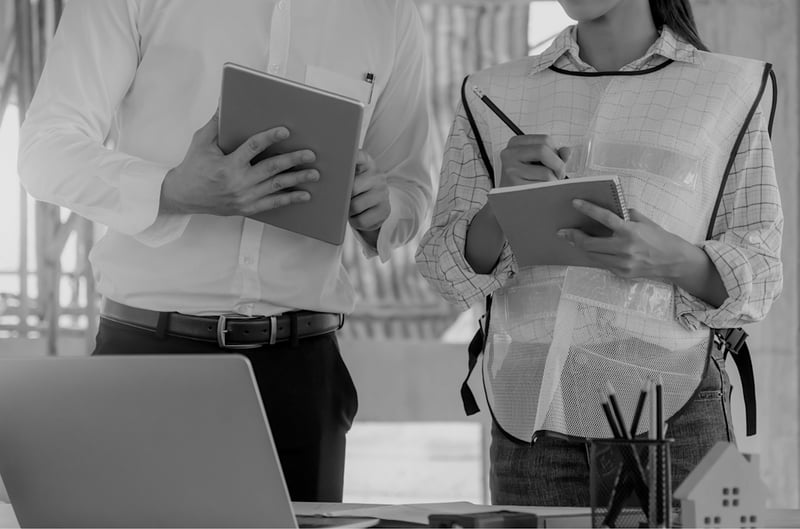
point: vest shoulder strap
(478, 342)
(487, 161)
(733, 340)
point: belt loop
(163, 325)
(273, 329)
(294, 340)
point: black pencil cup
(630, 483)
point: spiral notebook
(531, 214)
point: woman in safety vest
(630, 91)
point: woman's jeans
(554, 471)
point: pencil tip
(477, 91)
(610, 388)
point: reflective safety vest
(557, 334)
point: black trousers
(307, 392)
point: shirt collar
(565, 53)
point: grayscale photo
(399, 263)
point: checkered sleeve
(463, 189)
(745, 245)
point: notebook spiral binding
(620, 199)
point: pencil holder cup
(630, 482)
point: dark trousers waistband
(229, 330)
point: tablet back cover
(327, 123)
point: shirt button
(281, 5)
(247, 260)
(273, 68)
(752, 238)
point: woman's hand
(638, 248)
(532, 158)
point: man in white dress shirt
(121, 131)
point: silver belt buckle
(221, 331)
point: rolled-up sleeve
(463, 191)
(64, 153)
(746, 243)
(398, 136)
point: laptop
(138, 441)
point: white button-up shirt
(128, 82)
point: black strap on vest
(478, 342)
(733, 340)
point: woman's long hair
(678, 16)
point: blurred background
(405, 347)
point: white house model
(724, 490)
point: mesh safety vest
(558, 334)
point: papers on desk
(328, 522)
(418, 512)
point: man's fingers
(364, 163)
(364, 182)
(364, 201)
(368, 219)
(284, 181)
(280, 163)
(278, 200)
(258, 143)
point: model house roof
(723, 465)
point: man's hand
(369, 206)
(532, 158)
(208, 181)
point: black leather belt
(230, 331)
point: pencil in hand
(563, 152)
(499, 113)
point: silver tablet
(329, 124)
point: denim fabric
(555, 471)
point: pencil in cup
(631, 474)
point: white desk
(413, 513)
(775, 517)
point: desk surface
(412, 512)
(775, 517)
